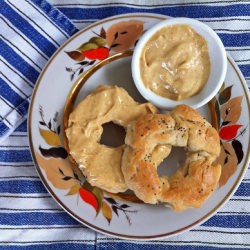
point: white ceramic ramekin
(218, 60)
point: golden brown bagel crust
(100, 164)
(201, 135)
(192, 184)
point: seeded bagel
(193, 182)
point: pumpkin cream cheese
(175, 62)
(100, 164)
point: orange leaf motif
(229, 132)
(89, 198)
(225, 95)
(123, 35)
(74, 189)
(52, 167)
(231, 110)
(103, 33)
(99, 197)
(50, 137)
(107, 212)
(75, 55)
(228, 161)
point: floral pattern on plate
(118, 37)
(228, 111)
(62, 176)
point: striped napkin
(31, 31)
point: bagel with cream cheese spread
(100, 164)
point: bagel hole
(113, 135)
(172, 162)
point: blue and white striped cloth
(30, 34)
(31, 30)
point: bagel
(193, 182)
(100, 164)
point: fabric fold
(31, 31)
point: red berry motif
(229, 132)
(98, 53)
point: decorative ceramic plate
(101, 54)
